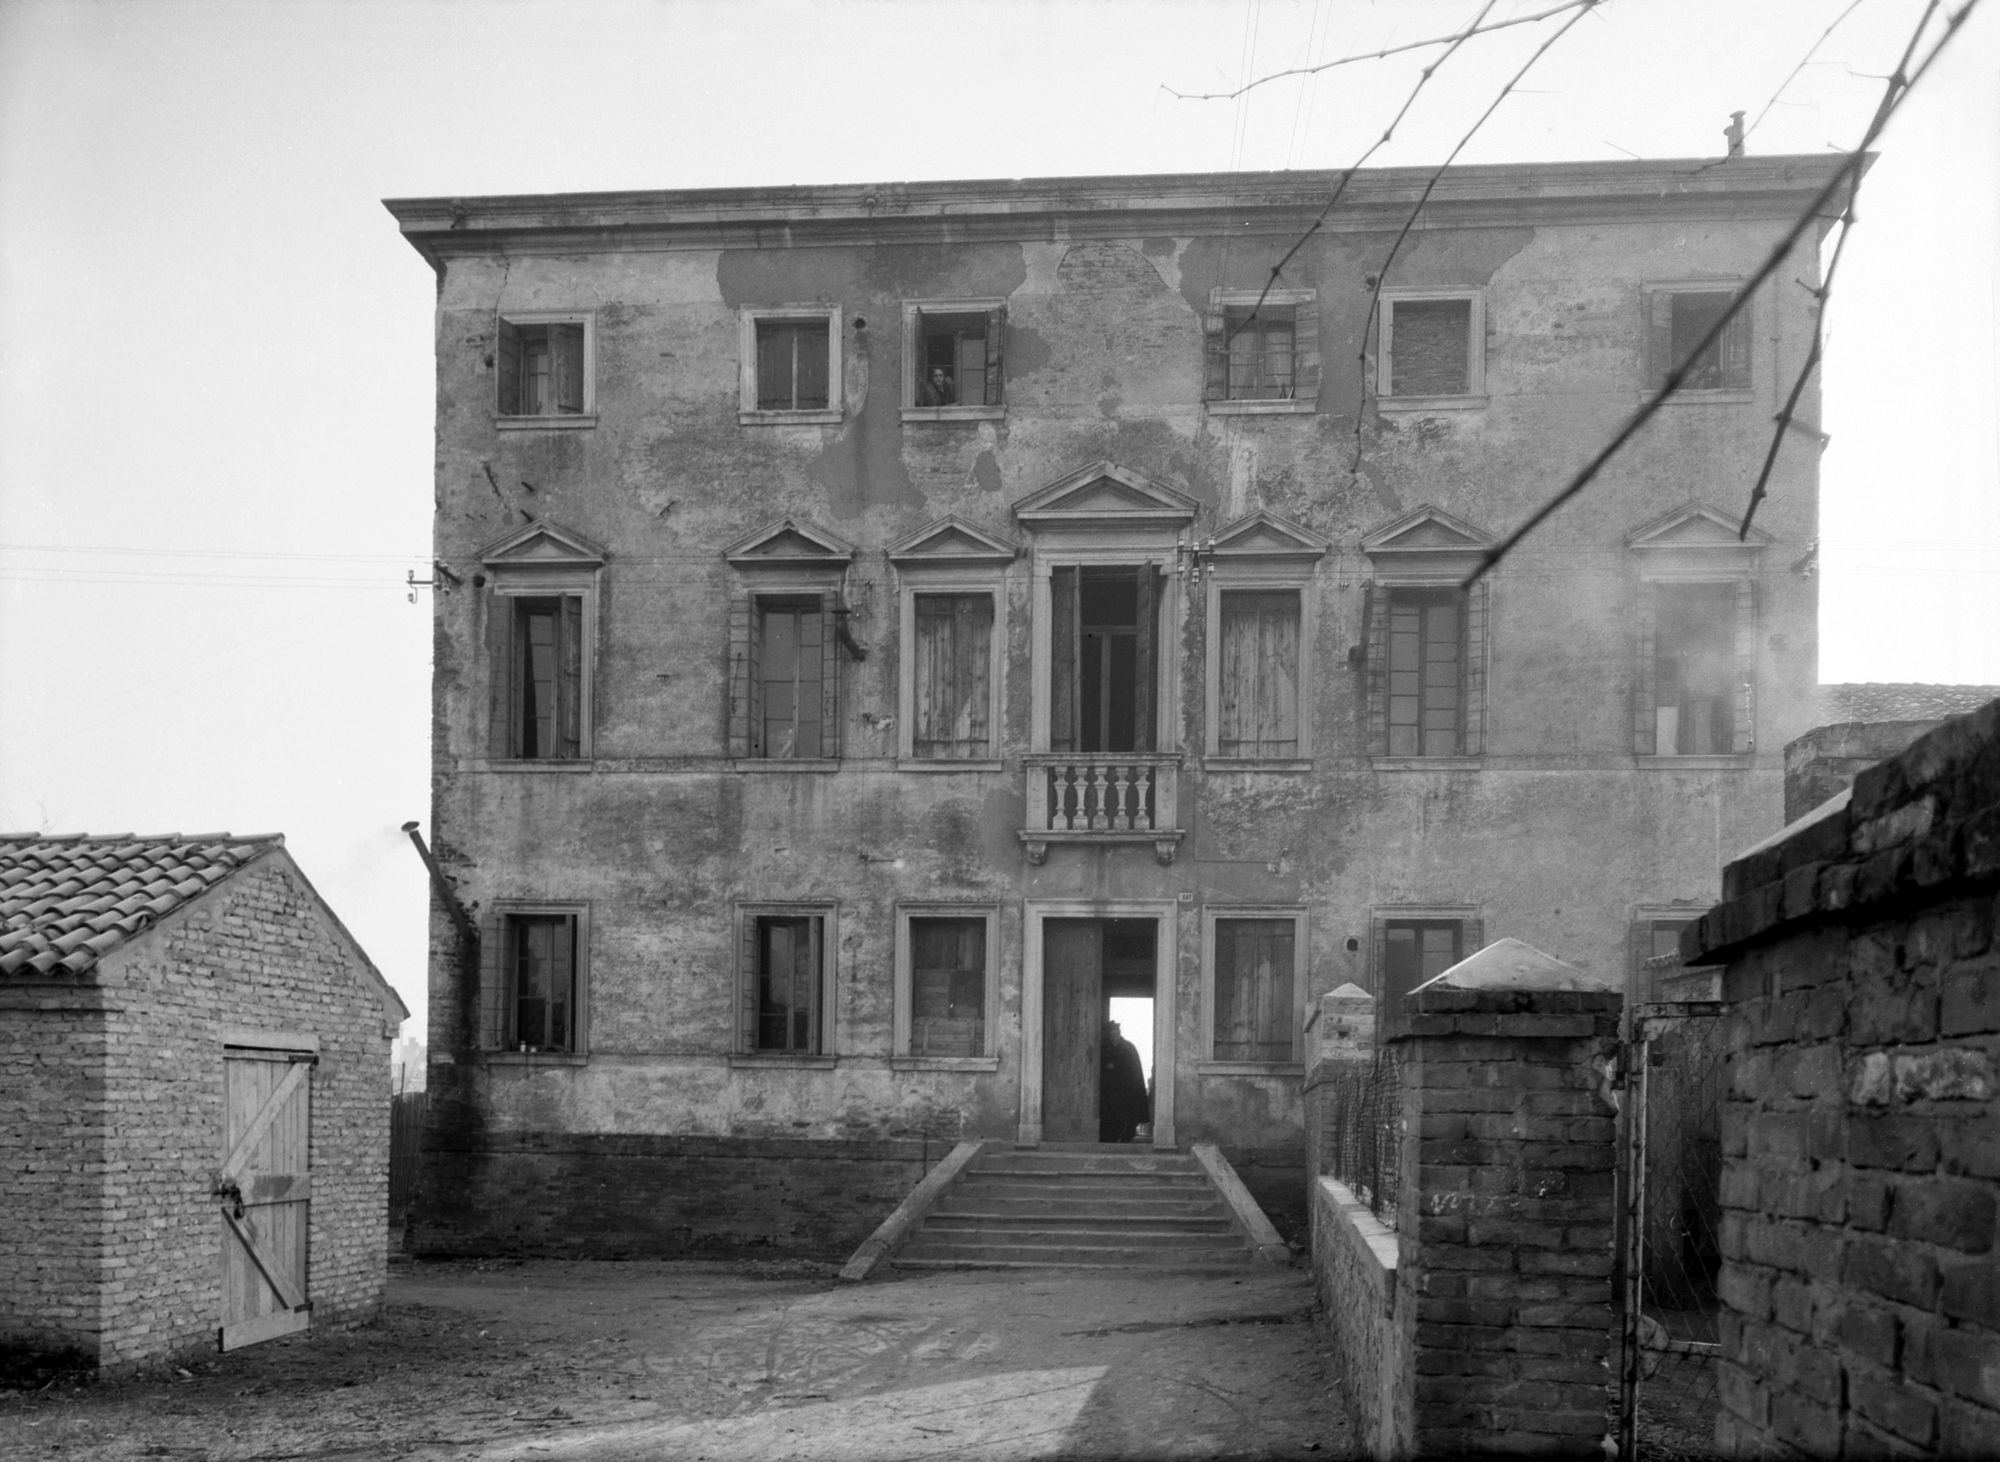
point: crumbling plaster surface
(1551, 838)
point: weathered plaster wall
(1556, 835)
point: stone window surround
(748, 412)
(1474, 395)
(921, 578)
(1695, 395)
(899, 1057)
(502, 987)
(528, 581)
(588, 417)
(1228, 575)
(743, 1052)
(1220, 301)
(1742, 575)
(912, 309)
(1207, 1064)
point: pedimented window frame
(950, 556)
(541, 559)
(788, 559)
(1427, 548)
(1261, 552)
(1695, 543)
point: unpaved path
(545, 1361)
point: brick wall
(1861, 1137)
(142, 1123)
(615, 1196)
(1354, 1278)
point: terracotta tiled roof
(1890, 701)
(65, 902)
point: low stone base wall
(609, 1196)
(1354, 1274)
(1276, 1178)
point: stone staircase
(1083, 1205)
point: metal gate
(1672, 1172)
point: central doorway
(1088, 964)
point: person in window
(1122, 1100)
(937, 389)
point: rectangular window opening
(1430, 346)
(793, 654)
(1254, 989)
(1426, 662)
(541, 369)
(951, 700)
(1679, 319)
(1694, 669)
(545, 714)
(1104, 643)
(957, 360)
(1258, 674)
(1416, 950)
(947, 987)
(792, 365)
(540, 953)
(1262, 352)
(789, 986)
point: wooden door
(264, 1191)
(1072, 1027)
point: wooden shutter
(1306, 350)
(1146, 735)
(569, 677)
(1733, 352)
(996, 325)
(1743, 721)
(1236, 681)
(1375, 658)
(1475, 668)
(1659, 347)
(829, 674)
(503, 732)
(1063, 659)
(508, 357)
(742, 714)
(748, 954)
(972, 662)
(1645, 674)
(1259, 674)
(813, 343)
(1215, 355)
(775, 344)
(566, 352)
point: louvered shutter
(489, 1020)
(996, 327)
(1062, 657)
(742, 678)
(1645, 675)
(774, 367)
(1743, 723)
(569, 677)
(566, 350)
(501, 739)
(1146, 735)
(1659, 337)
(1215, 356)
(748, 978)
(972, 641)
(1475, 668)
(1733, 352)
(1376, 669)
(508, 355)
(829, 675)
(813, 344)
(1306, 344)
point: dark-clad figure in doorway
(1122, 1100)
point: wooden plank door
(264, 1192)
(1072, 1027)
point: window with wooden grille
(544, 366)
(951, 677)
(1432, 344)
(1257, 699)
(1426, 672)
(1409, 951)
(788, 984)
(794, 676)
(1262, 352)
(955, 355)
(792, 369)
(947, 986)
(1677, 320)
(1255, 985)
(539, 685)
(541, 959)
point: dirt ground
(551, 1360)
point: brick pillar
(1506, 1211)
(1340, 1034)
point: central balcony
(1102, 798)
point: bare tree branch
(1846, 176)
(1454, 41)
(1804, 62)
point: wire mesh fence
(406, 1131)
(1671, 1255)
(1363, 1105)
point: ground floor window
(1417, 944)
(1252, 982)
(534, 979)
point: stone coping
(1914, 827)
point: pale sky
(215, 351)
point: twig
(1804, 61)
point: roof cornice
(1277, 203)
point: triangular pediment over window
(1264, 537)
(1695, 526)
(951, 540)
(538, 544)
(1426, 545)
(1105, 495)
(789, 543)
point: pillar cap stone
(1508, 964)
(1349, 991)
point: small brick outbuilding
(194, 1099)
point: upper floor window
(1695, 681)
(951, 359)
(1103, 668)
(1694, 669)
(1432, 347)
(1262, 354)
(1426, 654)
(1414, 944)
(541, 606)
(1260, 623)
(787, 638)
(790, 364)
(796, 680)
(1425, 646)
(951, 682)
(546, 369)
(1678, 318)
(533, 968)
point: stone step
(1007, 1201)
(1092, 1235)
(1105, 1223)
(921, 1255)
(1043, 1187)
